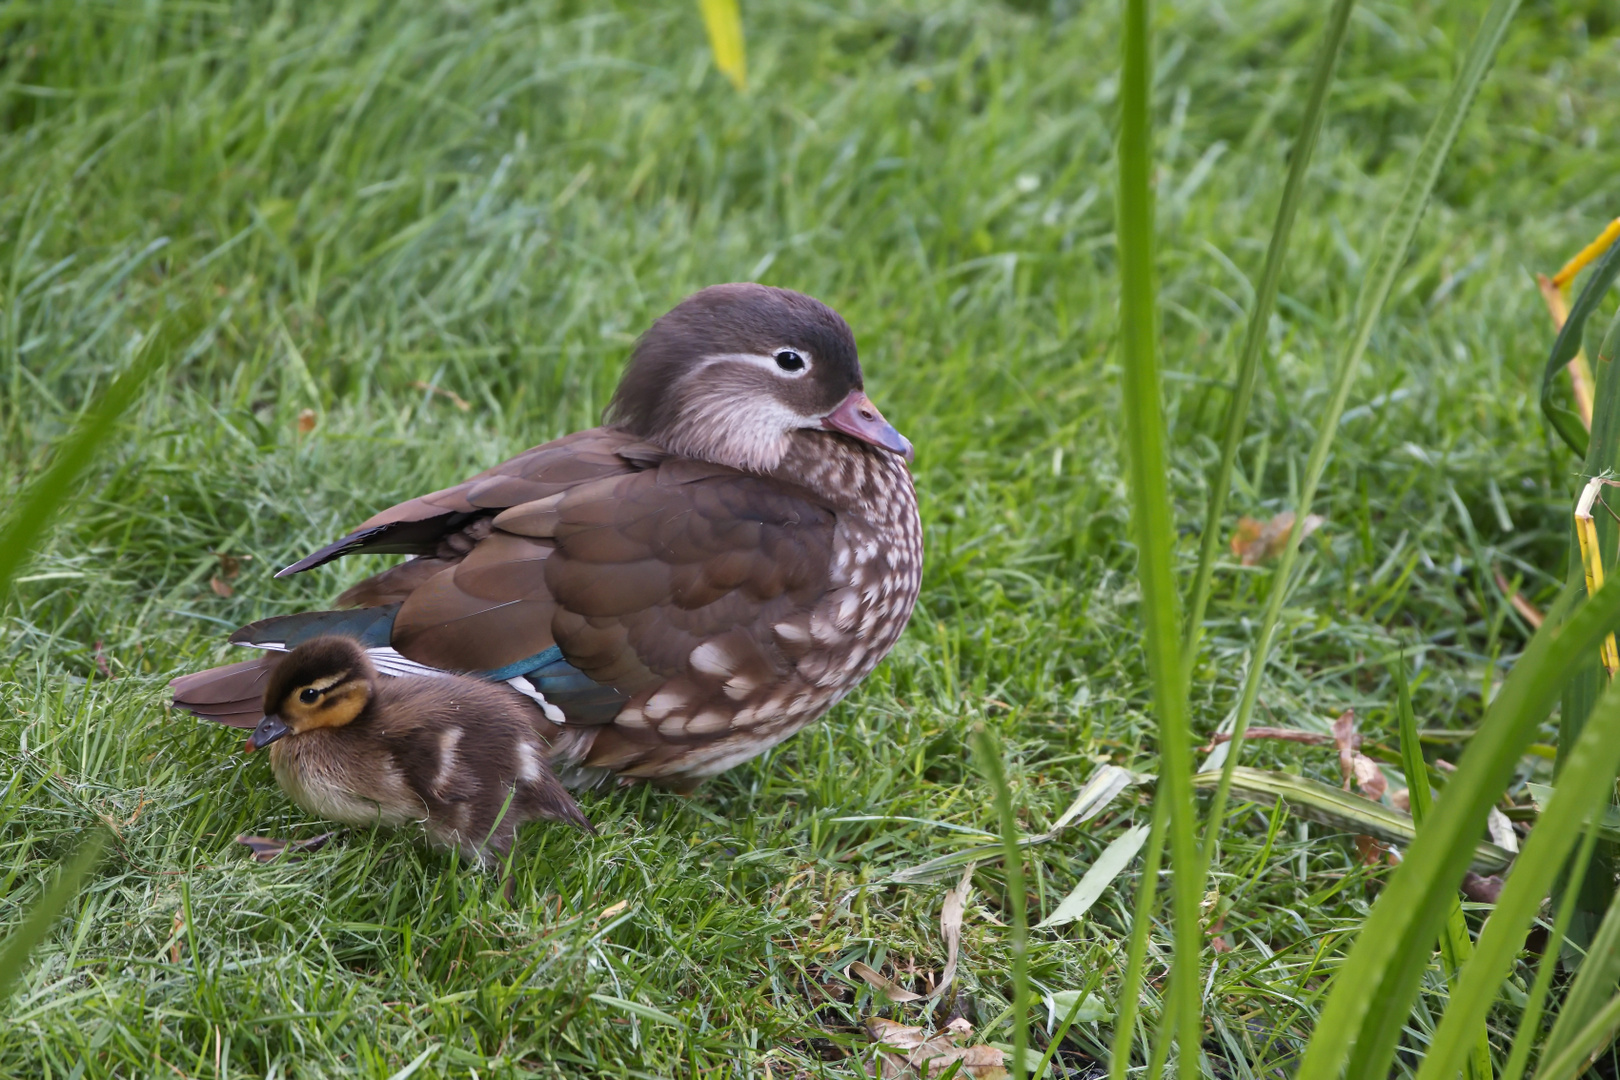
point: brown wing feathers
(487, 611)
(627, 559)
(416, 526)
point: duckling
(461, 756)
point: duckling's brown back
(472, 752)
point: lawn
(383, 245)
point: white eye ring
(771, 361)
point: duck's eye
(309, 695)
(788, 360)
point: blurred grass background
(365, 215)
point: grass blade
(1530, 1021)
(1610, 345)
(1099, 791)
(1602, 455)
(723, 23)
(1375, 288)
(1101, 874)
(38, 504)
(1599, 973)
(1455, 944)
(636, 1008)
(1583, 788)
(20, 944)
(1313, 800)
(1597, 1033)
(1153, 528)
(1607, 825)
(1565, 423)
(1080, 1000)
(20, 531)
(1372, 1021)
(989, 754)
(1372, 993)
(1265, 298)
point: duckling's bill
(268, 731)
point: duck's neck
(846, 475)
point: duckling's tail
(232, 695)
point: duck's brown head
(325, 682)
(735, 372)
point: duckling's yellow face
(327, 701)
(325, 683)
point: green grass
(319, 208)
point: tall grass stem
(1455, 944)
(1388, 259)
(989, 755)
(1254, 338)
(1147, 893)
(1596, 979)
(1152, 524)
(1529, 1030)
(1344, 1023)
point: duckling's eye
(309, 695)
(788, 360)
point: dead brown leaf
(951, 910)
(1348, 740)
(175, 940)
(1369, 779)
(269, 848)
(460, 402)
(883, 984)
(1309, 738)
(220, 586)
(306, 421)
(1373, 851)
(1256, 541)
(895, 1034)
(1527, 611)
(906, 1052)
(1353, 764)
(139, 806)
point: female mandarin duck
(678, 590)
(461, 756)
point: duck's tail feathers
(232, 695)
